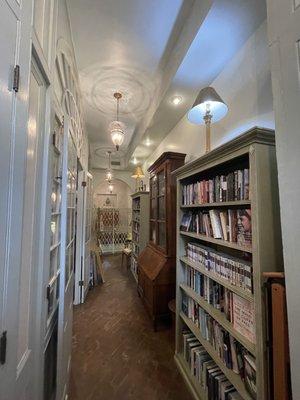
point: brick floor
(115, 353)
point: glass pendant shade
(109, 175)
(117, 133)
(110, 188)
(138, 173)
(207, 100)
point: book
(229, 225)
(244, 231)
(250, 375)
(243, 317)
(236, 271)
(220, 188)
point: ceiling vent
(116, 163)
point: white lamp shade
(109, 175)
(207, 99)
(117, 133)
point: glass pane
(162, 234)
(71, 264)
(153, 187)
(67, 266)
(69, 225)
(153, 208)
(55, 238)
(161, 183)
(55, 197)
(161, 208)
(56, 172)
(51, 298)
(152, 232)
(54, 262)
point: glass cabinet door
(55, 226)
(153, 208)
(161, 208)
(158, 208)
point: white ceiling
(150, 50)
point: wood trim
(254, 135)
(168, 155)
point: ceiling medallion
(116, 127)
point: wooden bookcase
(140, 227)
(256, 149)
(157, 273)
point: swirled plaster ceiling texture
(150, 50)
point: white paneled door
(67, 260)
(15, 348)
(284, 37)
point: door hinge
(16, 81)
(83, 183)
(3, 342)
(81, 283)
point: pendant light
(109, 174)
(116, 127)
(110, 188)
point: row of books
(238, 311)
(229, 225)
(231, 187)
(136, 204)
(134, 265)
(135, 236)
(209, 376)
(135, 248)
(236, 271)
(136, 226)
(226, 346)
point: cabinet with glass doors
(156, 282)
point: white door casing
(83, 236)
(67, 259)
(284, 39)
(33, 221)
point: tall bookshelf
(140, 227)
(254, 151)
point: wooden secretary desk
(156, 263)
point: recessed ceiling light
(176, 100)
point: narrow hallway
(116, 354)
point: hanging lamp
(207, 109)
(116, 127)
(110, 188)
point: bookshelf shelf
(220, 242)
(236, 289)
(231, 376)
(245, 165)
(194, 386)
(220, 318)
(219, 204)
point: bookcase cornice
(244, 141)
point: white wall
(245, 85)
(123, 187)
